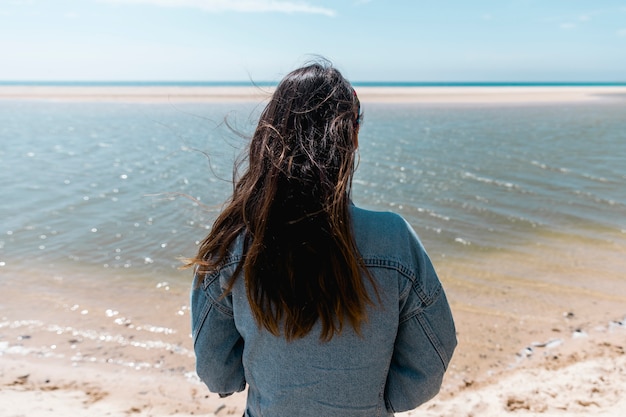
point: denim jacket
(396, 364)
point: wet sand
(542, 330)
(444, 95)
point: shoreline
(219, 94)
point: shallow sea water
(101, 184)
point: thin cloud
(567, 25)
(581, 18)
(622, 33)
(244, 6)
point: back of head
(301, 264)
(306, 139)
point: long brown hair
(300, 261)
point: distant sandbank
(160, 94)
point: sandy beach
(551, 347)
(71, 347)
(589, 380)
(444, 95)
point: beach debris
(586, 403)
(568, 315)
(514, 403)
(616, 323)
(20, 380)
(579, 333)
(526, 352)
(549, 344)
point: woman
(320, 307)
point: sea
(134, 187)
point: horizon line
(231, 83)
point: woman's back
(395, 364)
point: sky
(262, 40)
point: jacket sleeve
(217, 343)
(426, 336)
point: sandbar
(216, 94)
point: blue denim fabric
(395, 365)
